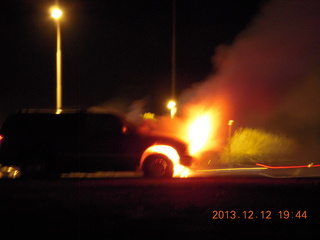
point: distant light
(1, 138)
(56, 13)
(173, 109)
(171, 104)
(230, 122)
(58, 111)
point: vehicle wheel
(158, 166)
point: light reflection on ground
(13, 172)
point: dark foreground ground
(137, 208)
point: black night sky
(260, 59)
(112, 51)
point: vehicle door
(101, 143)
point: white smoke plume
(275, 60)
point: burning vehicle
(45, 144)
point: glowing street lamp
(172, 106)
(56, 13)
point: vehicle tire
(158, 166)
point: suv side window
(97, 124)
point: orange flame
(199, 133)
(198, 127)
(201, 129)
(171, 153)
(181, 171)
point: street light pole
(56, 14)
(230, 126)
(59, 70)
(172, 104)
(173, 52)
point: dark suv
(45, 144)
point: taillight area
(1, 138)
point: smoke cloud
(269, 76)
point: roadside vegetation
(249, 146)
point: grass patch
(250, 146)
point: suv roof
(50, 110)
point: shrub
(248, 146)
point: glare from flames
(197, 127)
(201, 129)
(199, 133)
(171, 153)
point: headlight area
(172, 154)
(9, 171)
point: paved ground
(257, 171)
(131, 208)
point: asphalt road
(138, 208)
